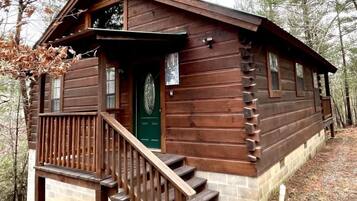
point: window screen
(109, 18)
(274, 71)
(56, 95)
(110, 87)
(300, 85)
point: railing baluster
(125, 167)
(73, 135)
(69, 141)
(43, 138)
(145, 180)
(88, 144)
(166, 190)
(95, 126)
(119, 161)
(48, 133)
(132, 190)
(152, 183)
(158, 185)
(83, 141)
(58, 139)
(178, 196)
(113, 153)
(138, 176)
(106, 149)
(51, 141)
(39, 139)
(78, 142)
(63, 135)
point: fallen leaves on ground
(330, 175)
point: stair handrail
(160, 166)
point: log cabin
(174, 100)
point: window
(172, 71)
(274, 75)
(316, 91)
(56, 95)
(110, 87)
(300, 86)
(316, 82)
(109, 17)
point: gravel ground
(330, 175)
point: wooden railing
(137, 170)
(68, 140)
(99, 144)
(326, 107)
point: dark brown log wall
(80, 92)
(204, 119)
(81, 87)
(34, 116)
(288, 121)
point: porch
(95, 151)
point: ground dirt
(330, 176)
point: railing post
(39, 141)
(101, 108)
(99, 145)
(179, 196)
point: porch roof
(108, 35)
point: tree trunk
(347, 90)
(307, 23)
(23, 87)
(15, 196)
(339, 116)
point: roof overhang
(296, 43)
(233, 17)
(103, 35)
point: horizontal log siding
(80, 92)
(288, 121)
(204, 119)
(34, 116)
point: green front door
(147, 101)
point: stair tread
(120, 197)
(196, 182)
(184, 170)
(205, 195)
(170, 159)
(110, 183)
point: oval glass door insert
(149, 94)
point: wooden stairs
(187, 173)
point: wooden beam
(327, 85)
(102, 4)
(87, 20)
(163, 105)
(102, 106)
(126, 15)
(40, 188)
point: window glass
(172, 71)
(109, 18)
(110, 79)
(149, 94)
(316, 91)
(299, 77)
(316, 83)
(274, 71)
(56, 94)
